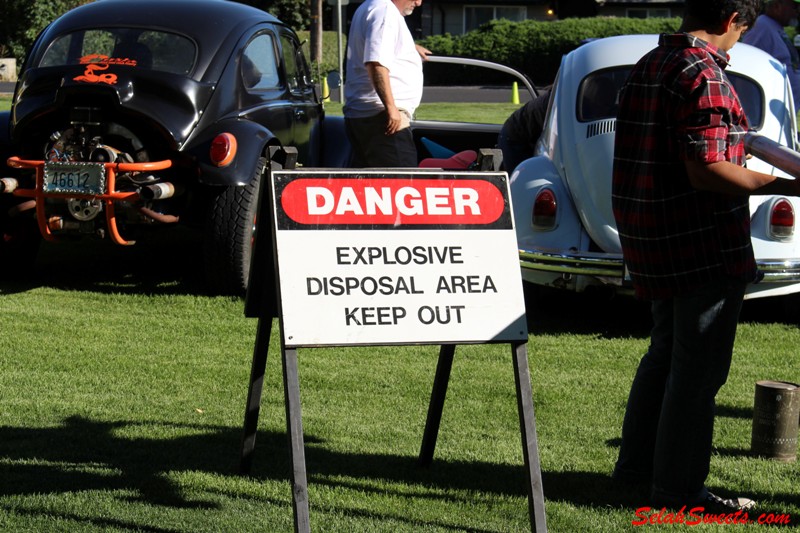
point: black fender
(8, 149)
(251, 141)
(5, 141)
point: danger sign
(388, 201)
(370, 257)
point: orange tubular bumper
(111, 195)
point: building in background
(636, 8)
(437, 17)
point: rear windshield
(598, 96)
(153, 50)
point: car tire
(19, 242)
(228, 236)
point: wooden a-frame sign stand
(265, 307)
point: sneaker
(713, 504)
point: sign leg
(530, 445)
(253, 406)
(294, 428)
(436, 406)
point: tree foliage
(532, 46)
(22, 21)
(295, 13)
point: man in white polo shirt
(383, 84)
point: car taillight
(545, 209)
(781, 220)
(223, 149)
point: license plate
(74, 178)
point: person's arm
(423, 52)
(379, 75)
(729, 178)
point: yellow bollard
(515, 93)
(326, 92)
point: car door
(264, 97)
(306, 110)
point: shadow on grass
(725, 452)
(600, 312)
(109, 524)
(84, 454)
(592, 312)
(595, 490)
(728, 411)
(775, 310)
(170, 262)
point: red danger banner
(309, 202)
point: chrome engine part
(84, 209)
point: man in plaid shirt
(680, 199)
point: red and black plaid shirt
(677, 106)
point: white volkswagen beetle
(562, 196)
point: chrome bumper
(779, 270)
(610, 269)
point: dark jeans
(669, 421)
(373, 148)
(514, 152)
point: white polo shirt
(378, 33)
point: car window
(290, 62)
(752, 98)
(303, 70)
(153, 50)
(298, 76)
(598, 96)
(260, 64)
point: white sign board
(406, 257)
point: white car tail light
(781, 220)
(545, 209)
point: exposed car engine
(83, 142)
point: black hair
(710, 13)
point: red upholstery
(461, 160)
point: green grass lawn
(484, 113)
(491, 113)
(122, 396)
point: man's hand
(728, 178)
(423, 52)
(394, 121)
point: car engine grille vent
(601, 127)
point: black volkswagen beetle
(130, 115)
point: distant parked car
(562, 196)
(132, 115)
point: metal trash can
(776, 415)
